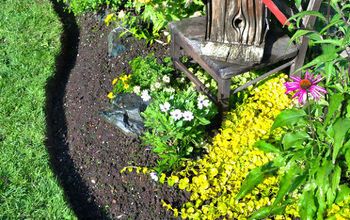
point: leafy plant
(176, 116)
(147, 19)
(177, 123)
(313, 154)
(331, 37)
(81, 6)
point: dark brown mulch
(86, 152)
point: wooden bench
(189, 34)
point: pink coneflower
(305, 86)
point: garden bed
(95, 149)
(240, 173)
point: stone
(117, 44)
(125, 114)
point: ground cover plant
(29, 39)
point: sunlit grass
(29, 43)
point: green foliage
(147, 19)
(174, 139)
(29, 38)
(147, 71)
(144, 19)
(176, 116)
(81, 6)
(317, 140)
(331, 36)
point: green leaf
(288, 117)
(341, 127)
(347, 158)
(332, 192)
(307, 205)
(287, 182)
(267, 211)
(254, 178)
(348, 110)
(203, 121)
(334, 104)
(294, 139)
(323, 184)
(300, 33)
(343, 193)
(266, 147)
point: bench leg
(224, 94)
(175, 49)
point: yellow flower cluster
(215, 180)
(120, 84)
(109, 18)
(340, 211)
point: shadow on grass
(76, 191)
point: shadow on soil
(76, 192)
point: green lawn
(29, 41)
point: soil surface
(86, 152)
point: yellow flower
(109, 18)
(115, 81)
(217, 177)
(126, 86)
(125, 78)
(111, 95)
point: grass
(29, 42)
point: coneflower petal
(319, 88)
(291, 86)
(302, 97)
(295, 78)
(318, 79)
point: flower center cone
(305, 84)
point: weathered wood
(236, 21)
(235, 30)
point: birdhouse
(235, 30)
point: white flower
(121, 14)
(165, 107)
(166, 79)
(188, 116)
(202, 102)
(145, 96)
(176, 114)
(157, 85)
(201, 97)
(169, 90)
(137, 90)
(154, 176)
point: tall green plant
(313, 157)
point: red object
(276, 11)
